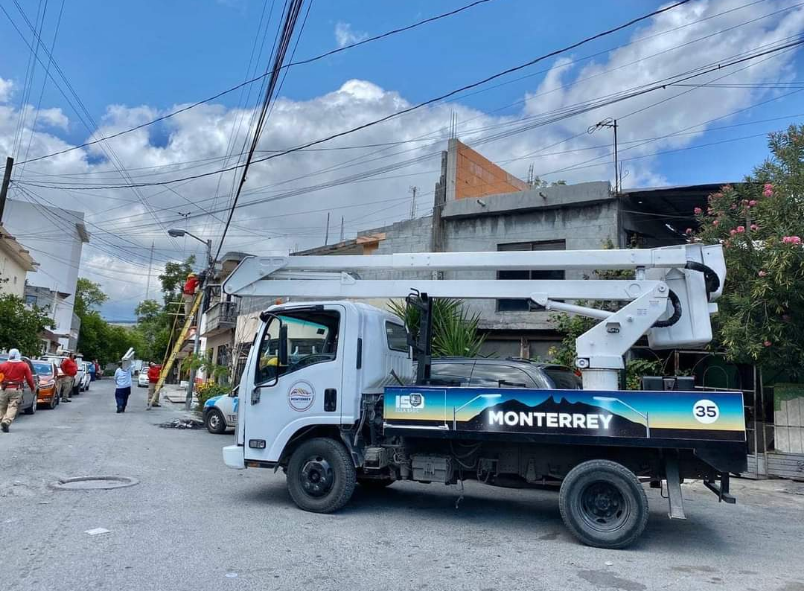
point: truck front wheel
(603, 504)
(321, 475)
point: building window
(30, 300)
(525, 305)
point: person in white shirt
(122, 380)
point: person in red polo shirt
(15, 373)
(69, 368)
(153, 377)
(188, 292)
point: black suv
(502, 373)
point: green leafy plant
(20, 326)
(636, 368)
(455, 333)
(209, 390)
(760, 225)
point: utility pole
(611, 123)
(341, 228)
(4, 186)
(413, 191)
(326, 235)
(150, 265)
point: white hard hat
(14, 355)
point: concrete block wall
(581, 227)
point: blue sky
(163, 53)
(130, 62)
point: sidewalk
(175, 394)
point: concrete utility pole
(341, 228)
(326, 236)
(413, 191)
(4, 186)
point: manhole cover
(94, 483)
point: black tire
(215, 422)
(375, 483)
(321, 475)
(603, 504)
(54, 402)
(31, 409)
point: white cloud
(6, 87)
(194, 141)
(344, 35)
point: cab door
(298, 378)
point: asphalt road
(193, 524)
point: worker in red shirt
(188, 293)
(153, 377)
(14, 374)
(66, 381)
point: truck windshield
(312, 338)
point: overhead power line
(291, 16)
(424, 103)
(272, 72)
(616, 98)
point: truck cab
(307, 371)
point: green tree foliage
(153, 325)
(174, 277)
(455, 333)
(88, 297)
(98, 339)
(20, 326)
(761, 226)
(155, 321)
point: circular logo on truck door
(706, 412)
(301, 396)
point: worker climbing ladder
(188, 323)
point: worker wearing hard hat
(188, 293)
(14, 374)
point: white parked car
(85, 377)
(220, 413)
(142, 379)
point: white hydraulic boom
(669, 299)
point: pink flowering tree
(761, 226)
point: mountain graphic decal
(551, 416)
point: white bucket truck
(332, 396)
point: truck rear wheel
(321, 475)
(603, 504)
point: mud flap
(676, 501)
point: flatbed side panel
(652, 418)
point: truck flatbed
(711, 423)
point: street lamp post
(625, 404)
(177, 233)
(455, 410)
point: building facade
(468, 217)
(15, 264)
(55, 238)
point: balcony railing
(221, 316)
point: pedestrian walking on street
(67, 380)
(122, 381)
(14, 374)
(153, 377)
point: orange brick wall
(476, 176)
